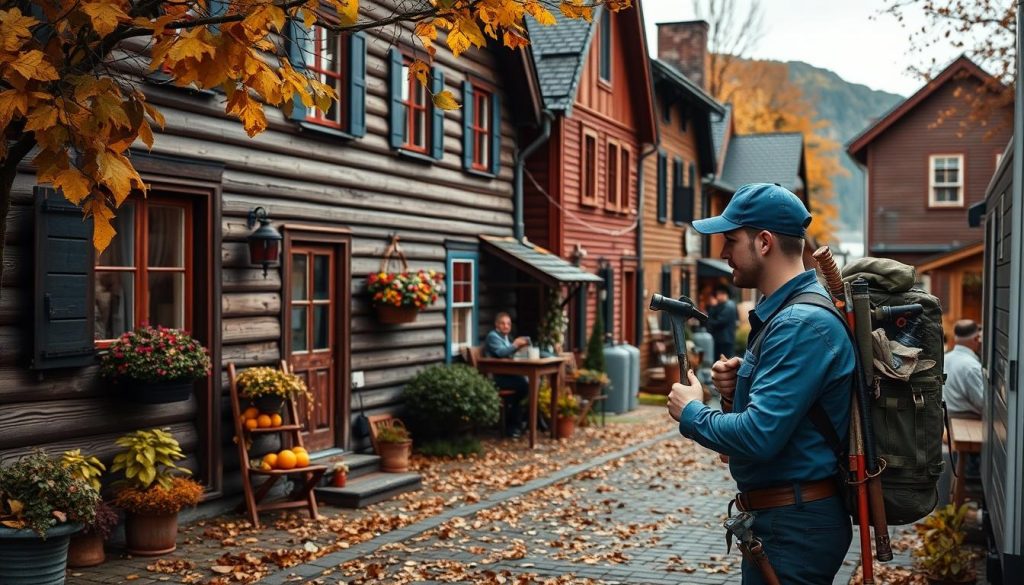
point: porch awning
(709, 267)
(537, 262)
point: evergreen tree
(595, 345)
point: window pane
(321, 277)
(462, 326)
(115, 302)
(166, 236)
(121, 251)
(420, 128)
(299, 275)
(328, 43)
(299, 329)
(167, 299)
(321, 326)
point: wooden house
(922, 176)
(336, 185)
(583, 188)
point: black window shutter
(666, 291)
(662, 187)
(495, 133)
(396, 113)
(688, 200)
(357, 84)
(63, 311)
(608, 274)
(436, 116)
(467, 124)
(677, 192)
(581, 318)
(299, 39)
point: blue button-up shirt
(805, 356)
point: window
(589, 180)
(614, 185)
(946, 180)
(145, 275)
(414, 98)
(462, 302)
(624, 174)
(311, 293)
(605, 36)
(328, 54)
(481, 130)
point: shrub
(39, 492)
(448, 400)
(595, 345)
(264, 381)
(158, 500)
(159, 354)
(942, 554)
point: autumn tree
(733, 33)
(983, 30)
(72, 99)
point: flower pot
(393, 315)
(86, 550)
(27, 559)
(565, 427)
(268, 403)
(339, 480)
(163, 392)
(394, 457)
(150, 535)
(588, 390)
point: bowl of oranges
(253, 418)
(285, 460)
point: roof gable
(765, 158)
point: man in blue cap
(784, 468)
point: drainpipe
(517, 202)
(641, 302)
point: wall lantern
(265, 242)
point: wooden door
(313, 338)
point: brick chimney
(685, 46)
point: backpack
(906, 415)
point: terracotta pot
(339, 480)
(394, 457)
(86, 550)
(155, 392)
(148, 536)
(393, 315)
(27, 559)
(565, 427)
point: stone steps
(369, 488)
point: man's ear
(764, 241)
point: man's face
(739, 252)
(503, 325)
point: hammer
(678, 312)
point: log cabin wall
(304, 179)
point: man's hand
(521, 341)
(681, 395)
(723, 376)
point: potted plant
(86, 547)
(339, 474)
(942, 555)
(155, 365)
(42, 504)
(591, 377)
(568, 409)
(153, 490)
(398, 297)
(268, 388)
(589, 382)
(394, 445)
(551, 330)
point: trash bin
(616, 365)
(634, 374)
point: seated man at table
(499, 345)
(963, 392)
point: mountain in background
(850, 108)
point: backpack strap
(817, 415)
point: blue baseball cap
(766, 206)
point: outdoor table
(533, 369)
(965, 437)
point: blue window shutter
(662, 187)
(63, 311)
(436, 116)
(357, 84)
(495, 133)
(467, 125)
(396, 113)
(217, 8)
(299, 40)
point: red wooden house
(923, 175)
(582, 193)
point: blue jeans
(805, 542)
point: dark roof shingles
(764, 158)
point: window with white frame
(946, 180)
(463, 298)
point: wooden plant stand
(303, 496)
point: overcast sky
(835, 34)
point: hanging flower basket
(155, 365)
(399, 296)
(393, 315)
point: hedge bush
(450, 400)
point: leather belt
(785, 495)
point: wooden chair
(470, 355)
(302, 496)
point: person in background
(964, 390)
(498, 344)
(722, 317)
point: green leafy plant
(393, 434)
(595, 346)
(148, 457)
(158, 354)
(88, 469)
(568, 406)
(585, 376)
(941, 554)
(264, 381)
(448, 400)
(39, 492)
(551, 330)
